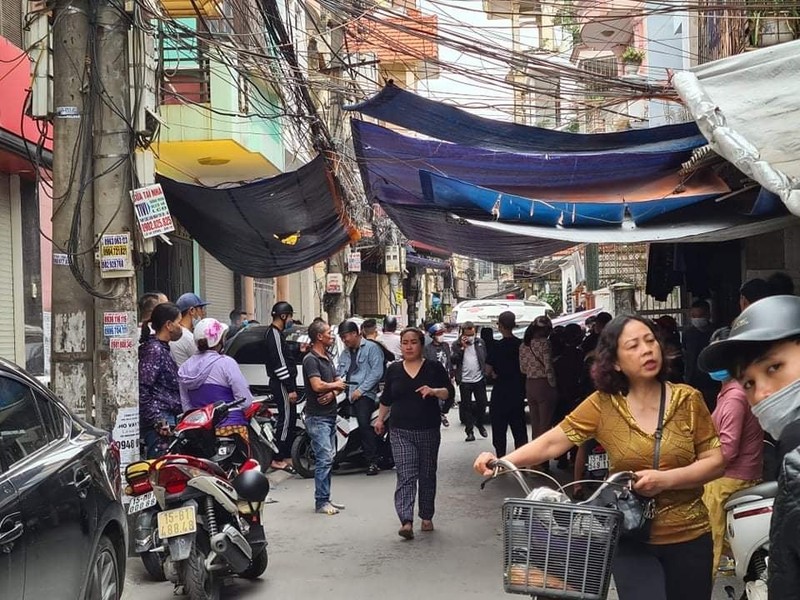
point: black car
(62, 525)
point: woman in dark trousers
(412, 389)
(623, 415)
(536, 363)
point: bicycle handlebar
(501, 463)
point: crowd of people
(629, 388)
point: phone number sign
(152, 211)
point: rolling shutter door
(217, 286)
(7, 330)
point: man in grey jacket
(469, 362)
(361, 366)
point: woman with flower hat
(209, 377)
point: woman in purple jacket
(209, 377)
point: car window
(23, 428)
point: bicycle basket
(558, 550)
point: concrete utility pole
(116, 367)
(93, 370)
(73, 309)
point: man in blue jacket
(361, 366)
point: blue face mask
(288, 325)
(722, 375)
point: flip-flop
(289, 469)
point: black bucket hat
(769, 320)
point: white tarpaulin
(747, 107)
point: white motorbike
(749, 513)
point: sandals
(327, 509)
(288, 468)
(406, 531)
(427, 525)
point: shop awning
(446, 122)
(747, 106)
(426, 263)
(268, 227)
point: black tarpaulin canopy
(265, 228)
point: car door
(46, 467)
(12, 550)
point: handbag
(637, 511)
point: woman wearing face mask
(159, 397)
(696, 337)
(763, 353)
(742, 448)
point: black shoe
(482, 431)
(470, 437)
(373, 469)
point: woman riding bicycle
(623, 415)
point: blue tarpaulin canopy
(445, 122)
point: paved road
(357, 554)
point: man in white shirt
(193, 310)
(390, 338)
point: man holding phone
(469, 361)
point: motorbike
(210, 497)
(194, 435)
(748, 516)
(260, 427)
(349, 449)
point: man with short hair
(469, 361)
(361, 366)
(238, 319)
(369, 330)
(282, 372)
(507, 409)
(193, 310)
(753, 290)
(147, 302)
(322, 385)
(439, 350)
(390, 338)
(590, 342)
(695, 338)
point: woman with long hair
(413, 389)
(536, 363)
(623, 415)
(159, 397)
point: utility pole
(116, 366)
(73, 309)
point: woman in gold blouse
(622, 415)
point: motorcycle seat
(762, 491)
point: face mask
(700, 323)
(471, 339)
(722, 375)
(195, 321)
(288, 325)
(438, 339)
(779, 409)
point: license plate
(179, 521)
(139, 503)
(598, 462)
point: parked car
(62, 524)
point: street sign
(152, 211)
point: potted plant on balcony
(631, 60)
(772, 22)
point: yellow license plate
(179, 521)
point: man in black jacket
(763, 353)
(282, 373)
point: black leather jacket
(784, 550)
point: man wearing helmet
(282, 382)
(763, 353)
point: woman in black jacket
(763, 353)
(412, 389)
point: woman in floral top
(536, 363)
(159, 395)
